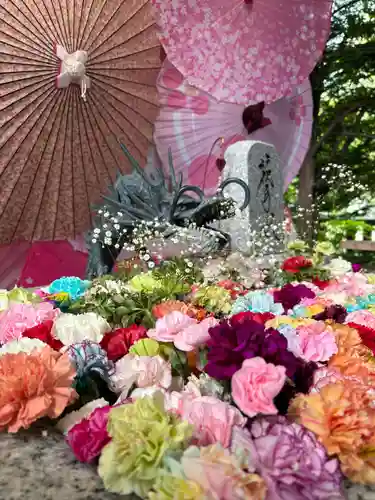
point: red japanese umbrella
(244, 51)
(76, 77)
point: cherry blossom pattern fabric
(244, 52)
(190, 121)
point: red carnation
(296, 264)
(322, 284)
(260, 318)
(367, 335)
(118, 342)
(43, 333)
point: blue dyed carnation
(75, 287)
(257, 302)
(89, 358)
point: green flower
(324, 248)
(17, 296)
(143, 434)
(144, 282)
(213, 298)
(168, 487)
(145, 347)
(297, 246)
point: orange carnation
(343, 418)
(164, 308)
(34, 386)
(349, 342)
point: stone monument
(259, 229)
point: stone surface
(258, 164)
(42, 467)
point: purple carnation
(291, 295)
(336, 313)
(230, 344)
(290, 459)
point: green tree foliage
(344, 111)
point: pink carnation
(194, 335)
(213, 420)
(316, 343)
(20, 317)
(255, 386)
(362, 317)
(168, 327)
(89, 436)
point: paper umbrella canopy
(76, 77)
(244, 51)
(191, 121)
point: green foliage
(344, 98)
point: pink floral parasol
(244, 51)
(190, 121)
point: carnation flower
(170, 487)
(22, 345)
(167, 328)
(43, 332)
(290, 460)
(349, 342)
(90, 359)
(316, 343)
(231, 344)
(118, 342)
(220, 474)
(213, 298)
(338, 267)
(132, 460)
(74, 417)
(34, 386)
(164, 308)
(145, 347)
(194, 335)
(88, 437)
(295, 265)
(291, 295)
(144, 282)
(365, 318)
(19, 317)
(212, 419)
(336, 313)
(342, 416)
(260, 318)
(72, 329)
(144, 371)
(257, 302)
(235, 289)
(74, 287)
(255, 386)
(367, 335)
(16, 296)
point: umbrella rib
(82, 161)
(91, 62)
(65, 104)
(93, 58)
(87, 22)
(116, 122)
(121, 102)
(43, 55)
(42, 73)
(70, 117)
(32, 63)
(83, 123)
(57, 115)
(60, 20)
(45, 78)
(29, 104)
(101, 31)
(101, 133)
(33, 147)
(37, 32)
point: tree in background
(341, 157)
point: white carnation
(24, 344)
(73, 329)
(339, 267)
